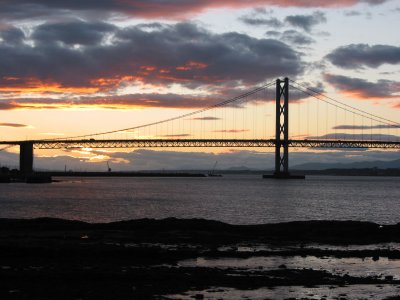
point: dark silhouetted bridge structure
(281, 142)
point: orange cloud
(175, 78)
(192, 65)
(148, 68)
(35, 86)
(245, 61)
(14, 125)
(129, 101)
(363, 95)
(115, 81)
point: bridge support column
(282, 129)
(26, 158)
(282, 133)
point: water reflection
(231, 199)
(372, 292)
(357, 267)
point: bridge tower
(282, 132)
(282, 128)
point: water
(353, 266)
(359, 292)
(235, 199)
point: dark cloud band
(361, 88)
(81, 57)
(306, 22)
(23, 9)
(357, 56)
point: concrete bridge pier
(26, 158)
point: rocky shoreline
(201, 259)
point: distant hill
(241, 168)
(393, 164)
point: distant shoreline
(11, 176)
(203, 173)
(121, 174)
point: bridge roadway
(26, 148)
(162, 143)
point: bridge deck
(161, 143)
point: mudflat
(198, 259)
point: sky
(71, 67)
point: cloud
(299, 93)
(113, 102)
(356, 56)
(296, 38)
(273, 33)
(64, 61)
(257, 21)
(177, 9)
(12, 36)
(72, 33)
(134, 101)
(352, 13)
(183, 53)
(306, 22)
(375, 2)
(365, 127)
(292, 37)
(206, 119)
(363, 89)
(13, 125)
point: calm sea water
(233, 199)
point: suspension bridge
(258, 118)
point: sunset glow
(121, 64)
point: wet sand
(198, 259)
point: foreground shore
(186, 259)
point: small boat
(212, 172)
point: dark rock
(282, 267)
